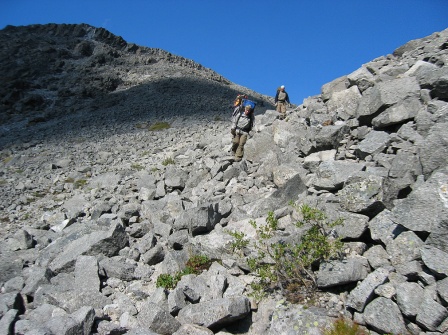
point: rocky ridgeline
(59, 78)
(94, 210)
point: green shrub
(166, 281)
(195, 265)
(198, 263)
(240, 241)
(159, 126)
(285, 266)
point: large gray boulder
(331, 175)
(375, 142)
(216, 313)
(363, 193)
(384, 316)
(425, 207)
(335, 273)
(433, 150)
(107, 242)
(364, 292)
(344, 103)
(409, 298)
(157, 319)
(385, 94)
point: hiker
(281, 98)
(243, 121)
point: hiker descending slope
(243, 121)
(281, 99)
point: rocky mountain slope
(73, 76)
(96, 205)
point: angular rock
(377, 257)
(374, 143)
(337, 273)
(363, 193)
(36, 277)
(362, 78)
(398, 114)
(433, 149)
(425, 207)
(107, 242)
(188, 329)
(435, 259)
(337, 85)
(86, 274)
(431, 314)
(331, 175)
(405, 248)
(384, 316)
(344, 103)
(363, 293)
(156, 319)
(216, 313)
(409, 298)
(117, 267)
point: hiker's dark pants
(238, 142)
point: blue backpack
(250, 103)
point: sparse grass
(80, 183)
(38, 194)
(137, 167)
(3, 182)
(6, 160)
(76, 183)
(168, 161)
(345, 327)
(159, 126)
(141, 125)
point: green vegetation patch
(195, 265)
(289, 266)
(168, 161)
(159, 126)
(345, 327)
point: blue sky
(260, 44)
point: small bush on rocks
(286, 266)
(195, 265)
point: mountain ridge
(49, 67)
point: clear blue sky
(260, 44)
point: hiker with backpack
(243, 121)
(281, 99)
